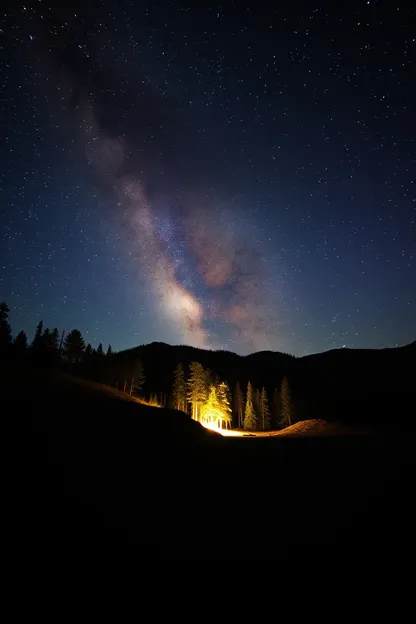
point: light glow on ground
(232, 433)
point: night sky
(223, 175)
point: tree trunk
(62, 340)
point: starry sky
(233, 175)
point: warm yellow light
(230, 433)
(224, 432)
(213, 426)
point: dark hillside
(359, 386)
(103, 470)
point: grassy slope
(106, 470)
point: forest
(258, 392)
(194, 389)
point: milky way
(170, 243)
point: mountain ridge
(271, 353)
(350, 385)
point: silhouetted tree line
(201, 393)
(264, 390)
(67, 351)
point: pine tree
(137, 379)
(239, 405)
(179, 388)
(20, 344)
(287, 404)
(100, 350)
(74, 346)
(197, 388)
(55, 339)
(224, 400)
(88, 351)
(48, 350)
(37, 340)
(46, 345)
(5, 329)
(211, 413)
(264, 410)
(46, 339)
(41, 345)
(250, 419)
(109, 350)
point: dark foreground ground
(103, 471)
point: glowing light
(231, 433)
(211, 425)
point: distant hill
(349, 355)
(359, 385)
(160, 359)
(351, 385)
